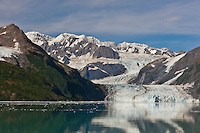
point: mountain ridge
(74, 49)
(64, 81)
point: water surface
(105, 117)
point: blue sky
(159, 23)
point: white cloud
(106, 16)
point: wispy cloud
(106, 16)
(120, 18)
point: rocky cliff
(101, 70)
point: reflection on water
(137, 117)
(116, 117)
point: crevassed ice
(149, 93)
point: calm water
(112, 117)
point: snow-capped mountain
(101, 62)
(78, 51)
(119, 64)
(66, 40)
(66, 46)
(143, 48)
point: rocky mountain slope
(29, 73)
(180, 70)
(100, 70)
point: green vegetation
(45, 79)
(68, 81)
(50, 70)
(19, 84)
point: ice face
(149, 93)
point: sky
(174, 24)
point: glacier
(134, 56)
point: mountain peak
(10, 27)
(37, 76)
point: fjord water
(105, 117)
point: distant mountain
(82, 52)
(81, 45)
(29, 73)
(143, 49)
(67, 46)
(183, 69)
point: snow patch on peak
(96, 41)
(38, 38)
(133, 44)
(14, 40)
(165, 49)
(7, 52)
(92, 39)
(70, 40)
(66, 35)
(16, 46)
(109, 44)
(3, 33)
(144, 49)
